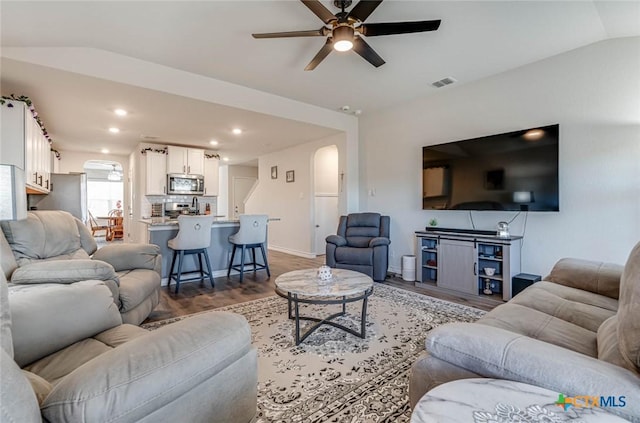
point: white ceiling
(212, 38)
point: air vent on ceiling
(444, 81)
(149, 137)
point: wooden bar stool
(194, 237)
(252, 235)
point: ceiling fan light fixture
(343, 38)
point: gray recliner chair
(66, 356)
(361, 244)
(51, 246)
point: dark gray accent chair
(361, 244)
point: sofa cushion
(6, 341)
(130, 256)
(18, 402)
(582, 308)
(56, 366)
(7, 259)
(81, 310)
(361, 227)
(87, 241)
(609, 346)
(64, 271)
(42, 235)
(629, 310)
(538, 325)
(597, 277)
(143, 375)
(39, 385)
(361, 256)
(136, 286)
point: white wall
(292, 202)
(592, 92)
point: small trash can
(409, 268)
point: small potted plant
(433, 222)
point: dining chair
(116, 228)
(95, 227)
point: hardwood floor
(195, 297)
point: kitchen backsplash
(202, 202)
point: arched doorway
(326, 192)
(105, 189)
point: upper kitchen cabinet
(185, 160)
(156, 173)
(211, 178)
(23, 144)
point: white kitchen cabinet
(23, 144)
(211, 178)
(185, 160)
(156, 173)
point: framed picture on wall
(274, 172)
(290, 176)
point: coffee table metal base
(294, 301)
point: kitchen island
(162, 229)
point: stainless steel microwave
(185, 184)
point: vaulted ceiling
(213, 38)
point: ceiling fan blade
(363, 9)
(391, 28)
(367, 53)
(319, 10)
(324, 52)
(310, 33)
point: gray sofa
(576, 332)
(67, 357)
(361, 244)
(53, 246)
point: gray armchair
(51, 246)
(66, 356)
(361, 244)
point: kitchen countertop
(162, 221)
(172, 222)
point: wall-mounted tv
(512, 171)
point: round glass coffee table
(304, 287)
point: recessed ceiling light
(237, 131)
(114, 130)
(120, 112)
(213, 142)
(104, 151)
(225, 159)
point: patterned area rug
(334, 376)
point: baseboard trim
(394, 269)
(292, 252)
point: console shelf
(458, 260)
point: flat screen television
(512, 171)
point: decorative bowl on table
(324, 273)
(489, 271)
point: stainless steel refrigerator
(68, 193)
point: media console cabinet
(461, 261)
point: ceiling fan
(344, 28)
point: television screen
(513, 171)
